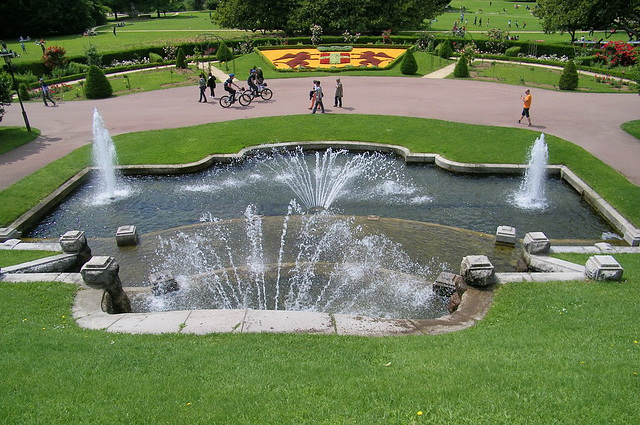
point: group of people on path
(316, 96)
(203, 83)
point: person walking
(211, 83)
(312, 95)
(527, 105)
(338, 96)
(318, 98)
(203, 88)
(46, 93)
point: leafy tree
(409, 66)
(93, 56)
(117, 6)
(573, 15)
(5, 92)
(461, 69)
(569, 77)
(334, 16)
(253, 16)
(97, 86)
(43, 17)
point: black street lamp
(7, 55)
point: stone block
(446, 284)
(536, 243)
(603, 267)
(477, 270)
(100, 272)
(506, 235)
(7, 233)
(126, 236)
(632, 237)
(73, 241)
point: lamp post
(7, 55)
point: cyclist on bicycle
(251, 82)
(228, 87)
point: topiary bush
(97, 86)
(512, 52)
(181, 63)
(224, 54)
(462, 68)
(569, 77)
(444, 50)
(23, 89)
(409, 65)
(155, 58)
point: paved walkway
(590, 120)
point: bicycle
(264, 92)
(240, 96)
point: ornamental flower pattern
(312, 58)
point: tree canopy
(334, 16)
(574, 15)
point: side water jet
(106, 161)
(531, 194)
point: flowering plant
(386, 36)
(618, 53)
(316, 32)
(53, 57)
(349, 38)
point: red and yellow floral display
(312, 58)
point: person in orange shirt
(527, 105)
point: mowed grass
(13, 257)
(546, 353)
(170, 30)
(535, 76)
(14, 137)
(633, 128)
(458, 142)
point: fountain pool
(234, 239)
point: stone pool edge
(630, 233)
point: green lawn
(13, 137)
(136, 34)
(13, 257)
(498, 18)
(535, 76)
(546, 353)
(633, 128)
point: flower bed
(312, 58)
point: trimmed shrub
(97, 86)
(444, 50)
(23, 89)
(181, 63)
(155, 58)
(409, 65)
(512, 52)
(569, 77)
(224, 54)
(462, 68)
(92, 55)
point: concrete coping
(630, 233)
